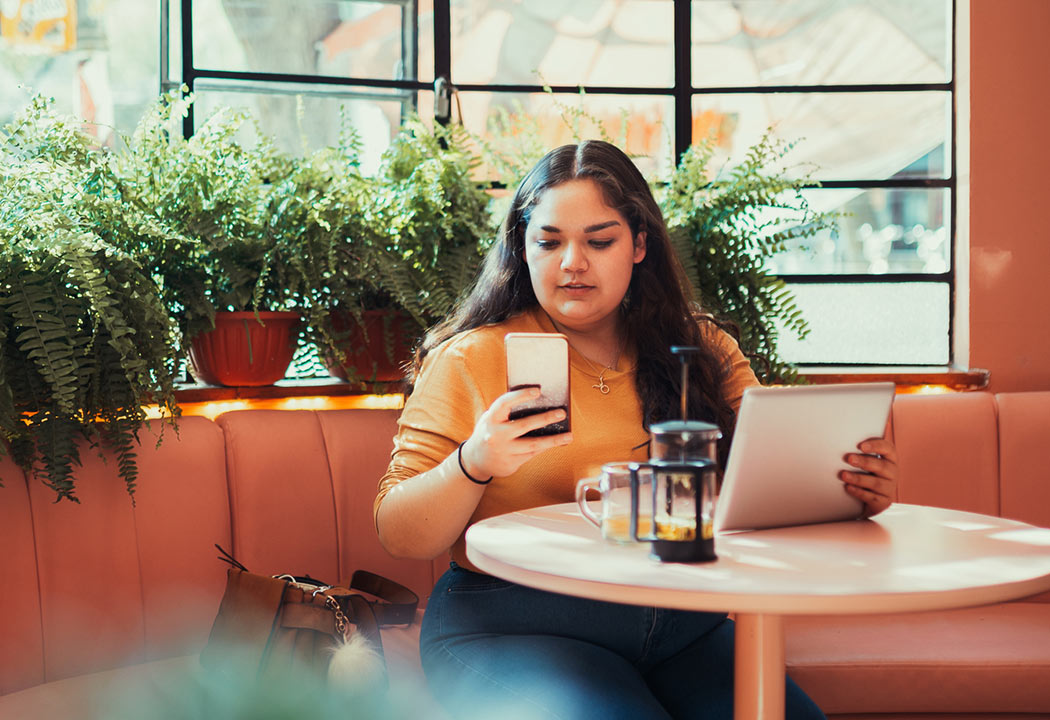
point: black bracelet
(459, 457)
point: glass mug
(614, 486)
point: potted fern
(424, 231)
(85, 341)
(227, 269)
(725, 225)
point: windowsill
(332, 394)
(313, 394)
(312, 387)
(908, 379)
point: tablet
(787, 451)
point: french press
(681, 495)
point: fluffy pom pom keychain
(356, 665)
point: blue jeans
(492, 649)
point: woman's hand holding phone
(497, 448)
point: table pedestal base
(759, 667)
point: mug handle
(581, 499)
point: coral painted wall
(1010, 192)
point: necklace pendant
(600, 386)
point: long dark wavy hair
(658, 310)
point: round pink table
(908, 558)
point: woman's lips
(577, 289)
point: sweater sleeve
(739, 374)
(439, 414)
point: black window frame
(682, 92)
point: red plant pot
(244, 349)
(366, 347)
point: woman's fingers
(500, 409)
(881, 447)
(874, 502)
(534, 422)
(866, 481)
(873, 465)
(875, 481)
(497, 445)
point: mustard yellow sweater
(463, 376)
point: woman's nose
(573, 259)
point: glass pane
(641, 125)
(292, 119)
(310, 37)
(174, 43)
(820, 42)
(892, 323)
(590, 42)
(98, 60)
(842, 136)
(880, 230)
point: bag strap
(365, 619)
(395, 603)
(398, 606)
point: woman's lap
(494, 649)
(534, 677)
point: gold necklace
(601, 386)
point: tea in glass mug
(614, 486)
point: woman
(583, 251)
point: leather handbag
(279, 627)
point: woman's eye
(546, 244)
(601, 244)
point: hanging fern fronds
(85, 340)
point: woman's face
(580, 255)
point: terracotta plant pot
(366, 347)
(245, 350)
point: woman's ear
(639, 247)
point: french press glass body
(681, 495)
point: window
(98, 60)
(866, 87)
(300, 67)
(869, 86)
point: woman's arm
(424, 515)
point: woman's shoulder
(485, 341)
(719, 335)
(722, 338)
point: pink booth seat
(299, 497)
(992, 659)
(966, 451)
(1024, 471)
(104, 583)
(1024, 460)
(949, 451)
(108, 594)
(111, 594)
(21, 647)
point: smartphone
(539, 360)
